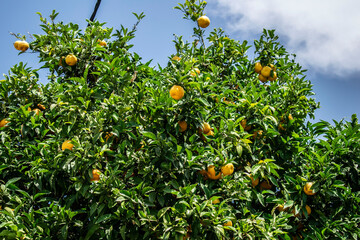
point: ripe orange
(243, 124)
(42, 107)
(177, 92)
(96, 175)
(308, 190)
(67, 145)
(3, 122)
(37, 111)
(215, 201)
(258, 67)
(203, 21)
(195, 72)
(228, 224)
(273, 77)
(265, 185)
(182, 125)
(71, 59)
(308, 210)
(210, 133)
(281, 208)
(228, 169)
(255, 182)
(176, 58)
(266, 71)
(212, 174)
(262, 78)
(21, 45)
(205, 128)
(102, 43)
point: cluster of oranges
(267, 73)
(177, 92)
(95, 172)
(37, 111)
(70, 60)
(308, 191)
(225, 170)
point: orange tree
(213, 146)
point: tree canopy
(214, 145)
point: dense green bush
(118, 114)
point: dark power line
(95, 11)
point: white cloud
(324, 34)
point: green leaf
(103, 218)
(149, 135)
(13, 180)
(91, 231)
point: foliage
(118, 114)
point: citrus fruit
(41, 107)
(194, 72)
(212, 174)
(273, 77)
(205, 128)
(262, 78)
(258, 67)
(265, 185)
(255, 182)
(290, 117)
(243, 124)
(308, 210)
(177, 92)
(37, 111)
(21, 45)
(210, 133)
(71, 59)
(176, 58)
(228, 169)
(67, 145)
(228, 224)
(203, 21)
(96, 175)
(102, 43)
(307, 189)
(183, 126)
(280, 208)
(215, 201)
(266, 71)
(16, 45)
(3, 122)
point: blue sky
(323, 35)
